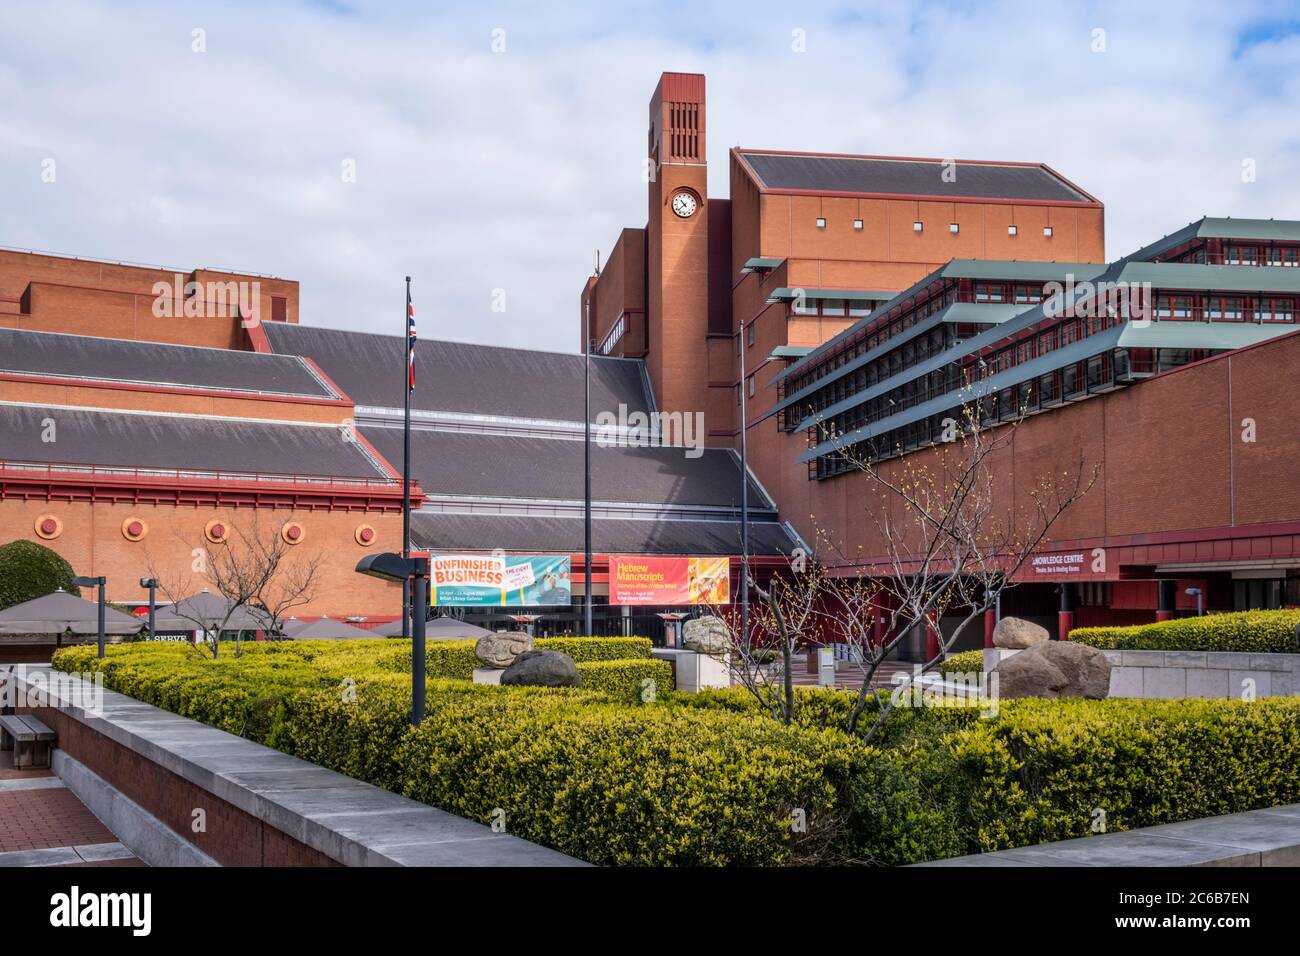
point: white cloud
(478, 171)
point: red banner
(637, 579)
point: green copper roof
(850, 295)
(756, 264)
(790, 351)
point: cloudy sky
(483, 147)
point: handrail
(52, 471)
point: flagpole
(407, 608)
(586, 523)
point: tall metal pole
(407, 602)
(421, 596)
(102, 581)
(744, 499)
(153, 608)
(586, 469)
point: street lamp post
(87, 582)
(413, 570)
(152, 585)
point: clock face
(684, 204)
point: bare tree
(950, 546)
(258, 576)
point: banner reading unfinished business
(493, 580)
(636, 579)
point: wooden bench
(29, 739)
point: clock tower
(677, 246)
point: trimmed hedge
(29, 570)
(963, 662)
(1257, 632)
(456, 658)
(628, 681)
(710, 779)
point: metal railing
(46, 470)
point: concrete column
(1065, 617)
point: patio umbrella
(61, 612)
(439, 629)
(326, 629)
(205, 611)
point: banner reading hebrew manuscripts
(636, 579)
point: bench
(29, 739)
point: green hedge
(963, 662)
(626, 680)
(456, 658)
(710, 779)
(29, 570)
(1258, 632)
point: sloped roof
(537, 533)
(117, 360)
(500, 466)
(469, 379)
(59, 612)
(172, 443)
(890, 176)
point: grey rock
(542, 669)
(1015, 633)
(501, 650)
(1055, 669)
(707, 635)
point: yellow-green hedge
(628, 681)
(1257, 632)
(456, 658)
(963, 662)
(711, 779)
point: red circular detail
(49, 526)
(218, 531)
(293, 532)
(367, 535)
(135, 529)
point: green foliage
(29, 570)
(456, 658)
(963, 662)
(711, 779)
(629, 681)
(1257, 632)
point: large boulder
(542, 669)
(1054, 669)
(1016, 634)
(501, 650)
(707, 635)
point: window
(1290, 257)
(1013, 230)
(1173, 307)
(1028, 295)
(750, 334)
(857, 225)
(1243, 256)
(860, 307)
(821, 222)
(802, 305)
(916, 226)
(1224, 308)
(279, 308)
(954, 228)
(1276, 310)
(990, 292)
(751, 386)
(1047, 231)
(832, 307)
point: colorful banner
(637, 579)
(494, 580)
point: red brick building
(864, 291)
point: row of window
(1245, 255)
(1226, 308)
(918, 226)
(615, 333)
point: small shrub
(628, 681)
(1256, 632)
(963, 662)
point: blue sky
(478, 171)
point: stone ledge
(1269, 837)
(352, 822)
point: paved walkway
(848, 676)
(42, 823)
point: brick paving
(47, 818)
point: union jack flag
(410, 344)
